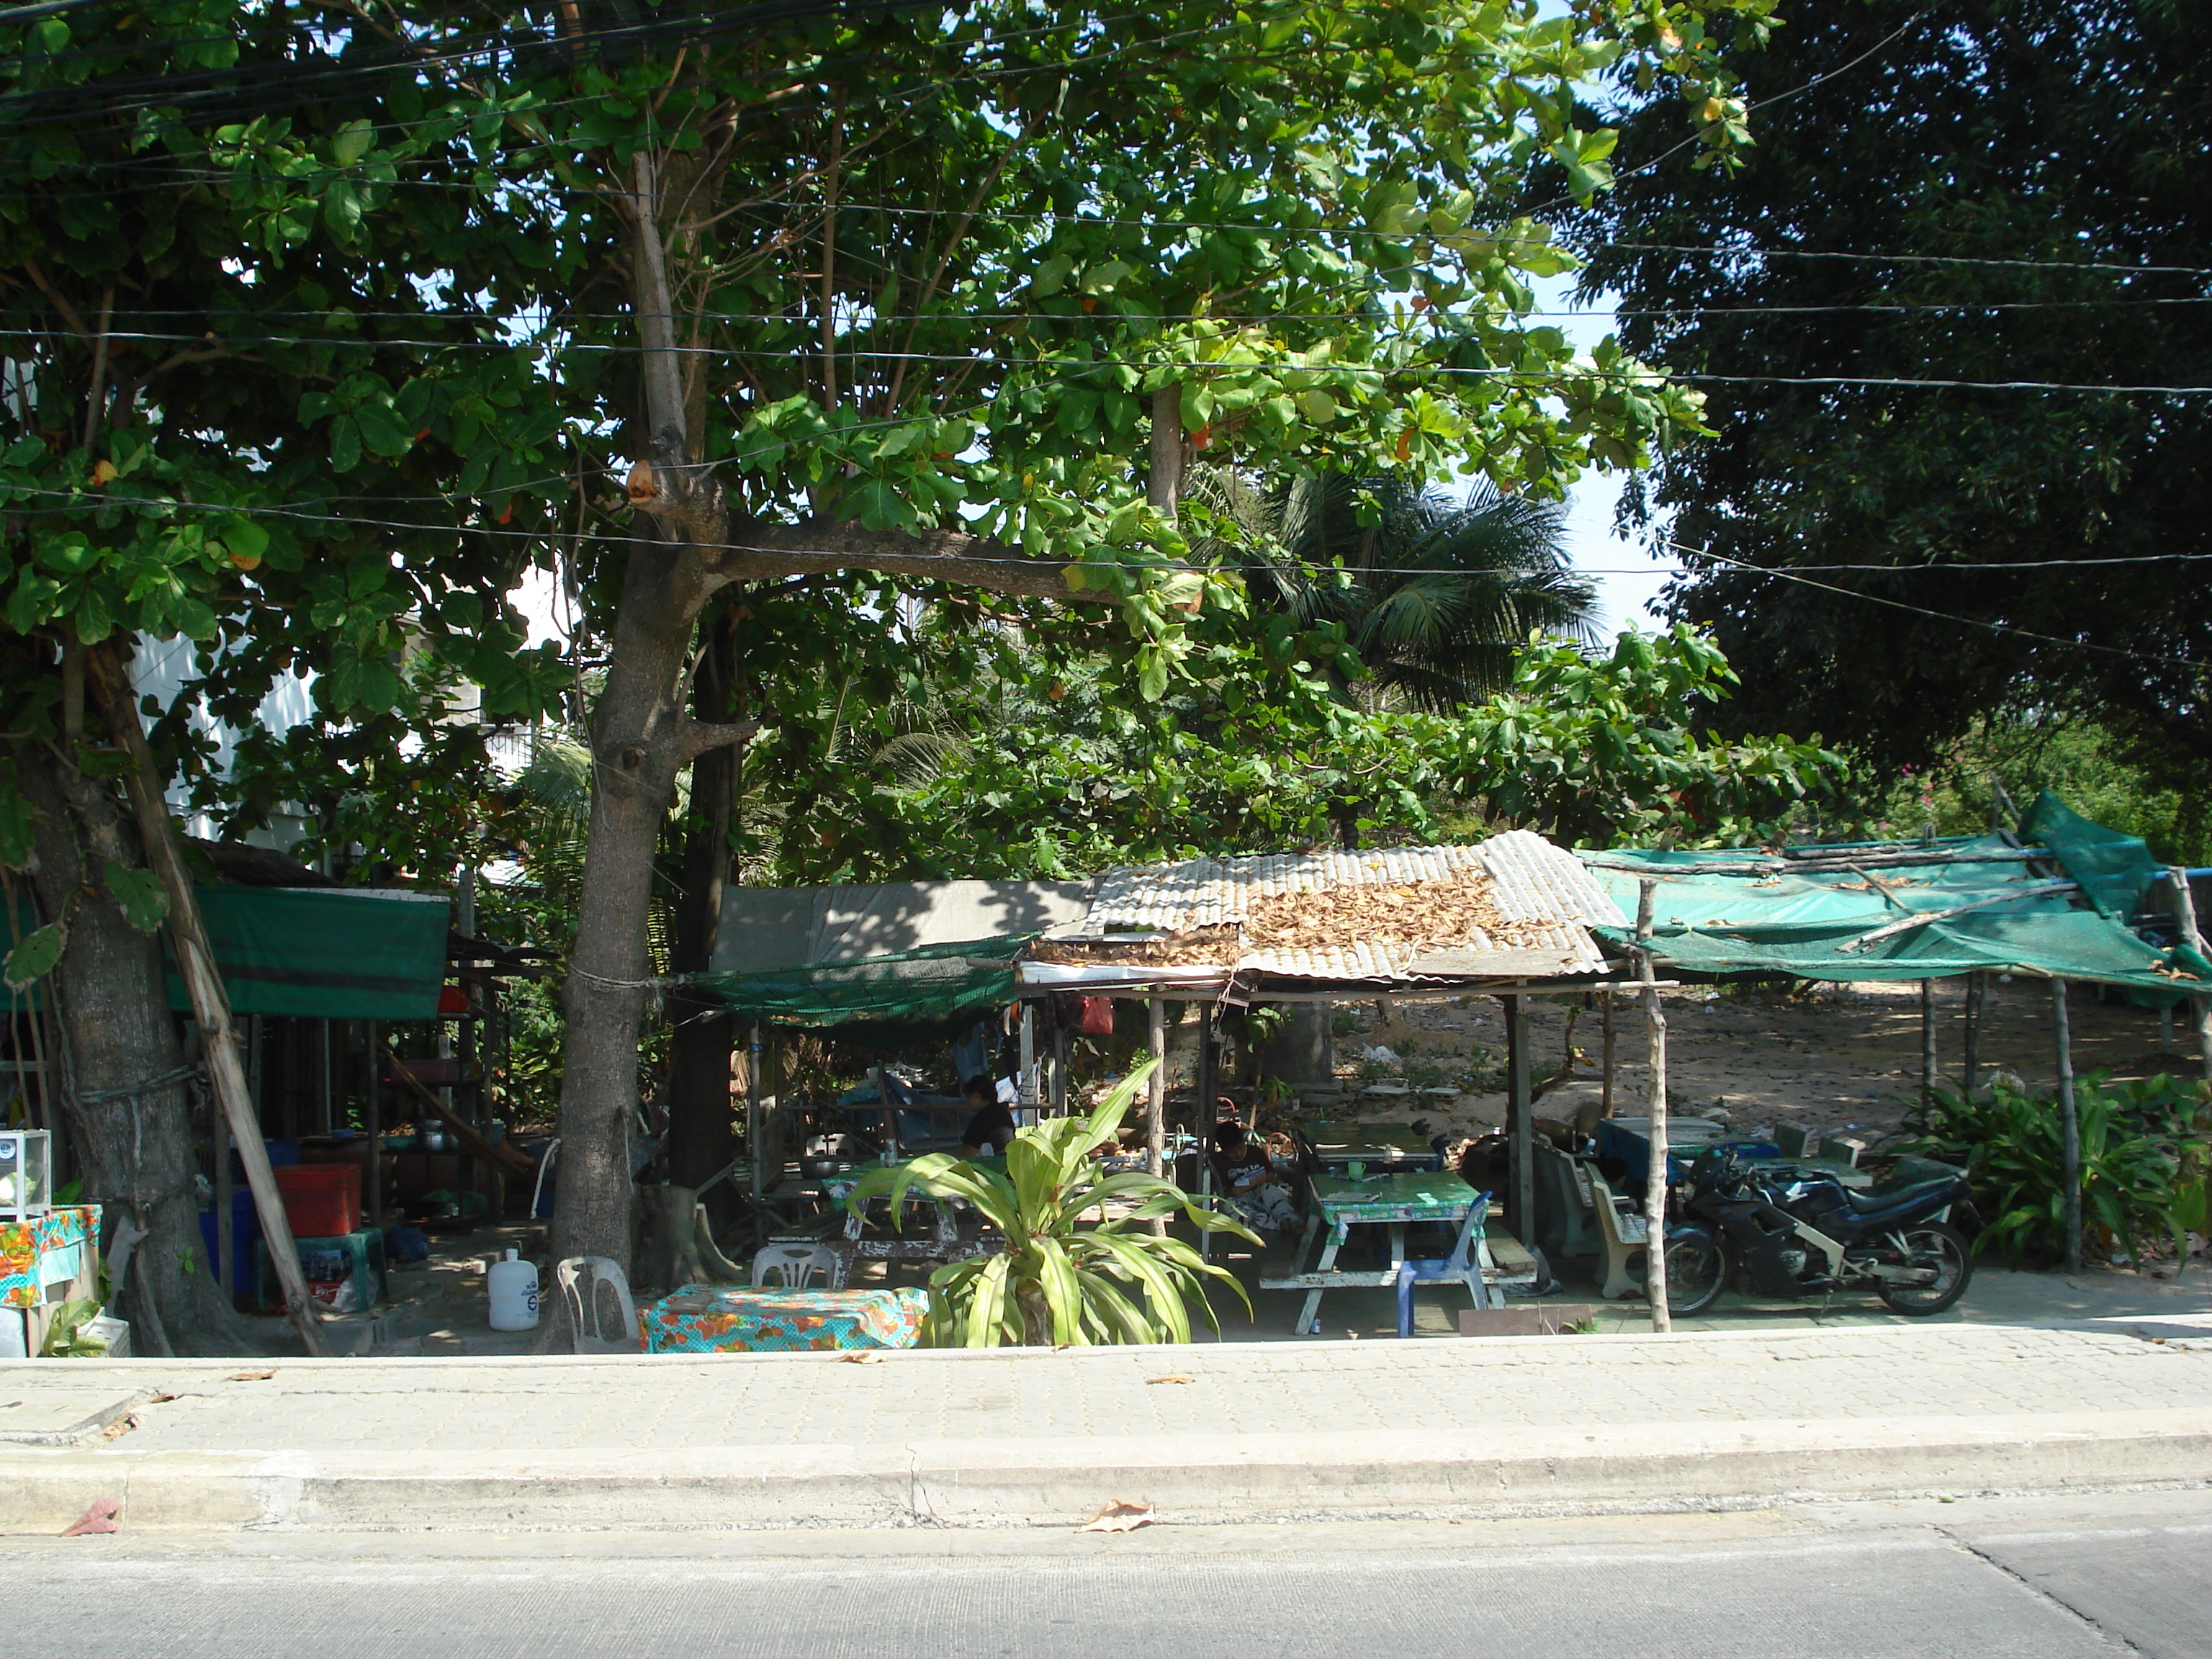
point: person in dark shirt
(993, 1126)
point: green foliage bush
(1070, 1273)
(2142, 1175)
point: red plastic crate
(321, 1200)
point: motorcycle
(1781, 1232)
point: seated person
(1247, 1181)
(993, 1126)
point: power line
(1943, 615)
(1079, 367)
(82, 502)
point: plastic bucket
(321, 1200)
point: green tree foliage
(2013, 190)
(2085, 764)
(1020, 763)
(1435, 596)
(249, 305)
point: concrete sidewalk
(1490, 1426)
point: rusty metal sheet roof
(1545, 891)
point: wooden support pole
(1605, 1087)
(226, 1230)
(1520, 1127)
(757, 1138)
(1655, 1175)
(1927, 1043)
(1059, 1098)
(2184, 916)
(2069, 1128)
(373, 1199)
(1205, 1084)
(1156, 1096)
(203, 985)
(1970, 1053)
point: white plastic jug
(514, 1294)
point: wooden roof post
(2184, 915)
(1927, 1043)
(2070, 1127)
(1520, 1127)
(1156, 1096)
(1655, 1174)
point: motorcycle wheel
(1697, 1271)
(1932, 1244)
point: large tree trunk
(637, 748)
(701, 1139)
(133, 1146)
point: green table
(1391, 1200)
(1384, 1148)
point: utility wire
(82, 502)
(1942, 616)
(1078, 368)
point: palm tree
(1436, 596)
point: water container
(514, 1294)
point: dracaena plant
(1081, 1265)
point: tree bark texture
(702, 1138)
(132, 1143)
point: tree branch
(763, 552)
(694, 737)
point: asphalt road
(2050, 1579)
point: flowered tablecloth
(51, 1251)
(727, 1319)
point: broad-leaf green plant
(2011, 1144)
(1081, 1265)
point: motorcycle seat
(1881, 1202)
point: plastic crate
(327, 1264)
(321, 1200)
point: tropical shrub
(2011, 1144)
(1072, 1273)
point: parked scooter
(1781, 1232)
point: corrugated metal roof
(1534, 884)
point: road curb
(1059, 1482)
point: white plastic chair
(795, 1264)
(597, 1271)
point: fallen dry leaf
(99, 1518)
(1120, 1516)
(1178, 1378)
(862, 1357)
(251, 1376)
(121, 1426)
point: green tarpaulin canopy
(1815, 924)
(323, 952)
(936, 986)
(312, 952)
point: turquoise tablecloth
(727, 1319)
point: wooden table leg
(1310, 1314)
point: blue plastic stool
(1464, 1264)
(358, 1257)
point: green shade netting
(938, 986)
(322, 952)
(1798, 924)
(311, 952)
(2115, 870)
